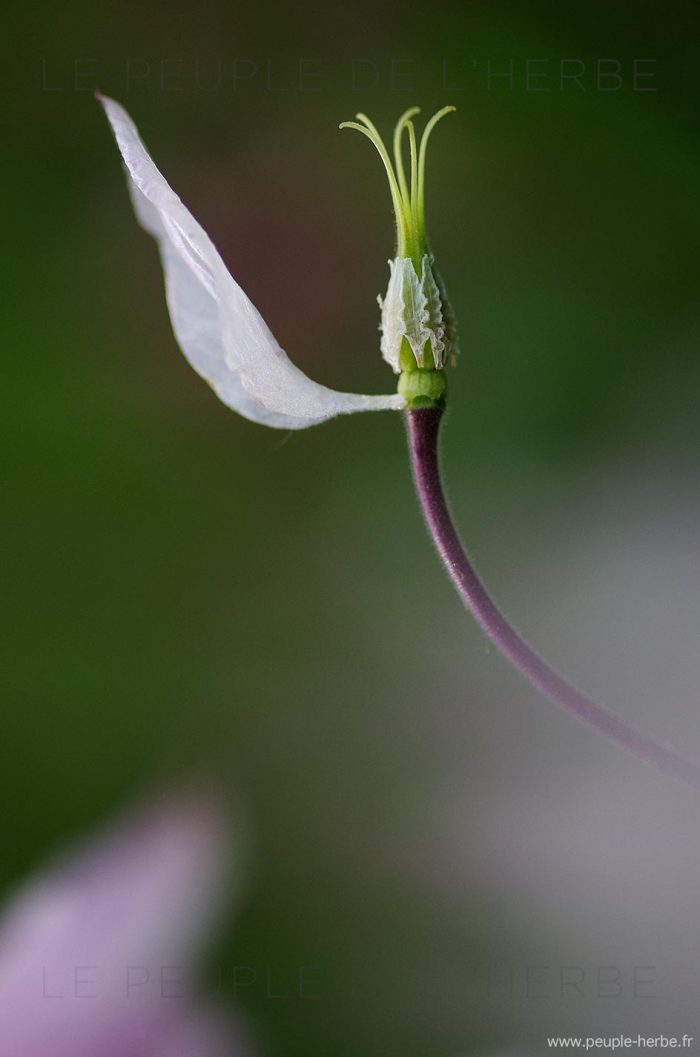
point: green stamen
(408, 198)
(398, 153)
(421, 160)
(419, 246)
(369, 130)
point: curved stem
(423, 426)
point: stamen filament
(369, 130)
(398, 153)
(418, 232)
(420, 205)
(408, 197)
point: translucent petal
(219, 330)
(404, 313)
(436, 324)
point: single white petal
(404, 313)
(392, 327)
(219, 330)
(415, 305)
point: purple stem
(423, 427)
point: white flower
(217, 327)
(419, 335)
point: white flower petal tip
(99, 956)
(219, 330)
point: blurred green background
(186, 591)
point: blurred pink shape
(99, 955)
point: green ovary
(420, 386)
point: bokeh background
(187, 592)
